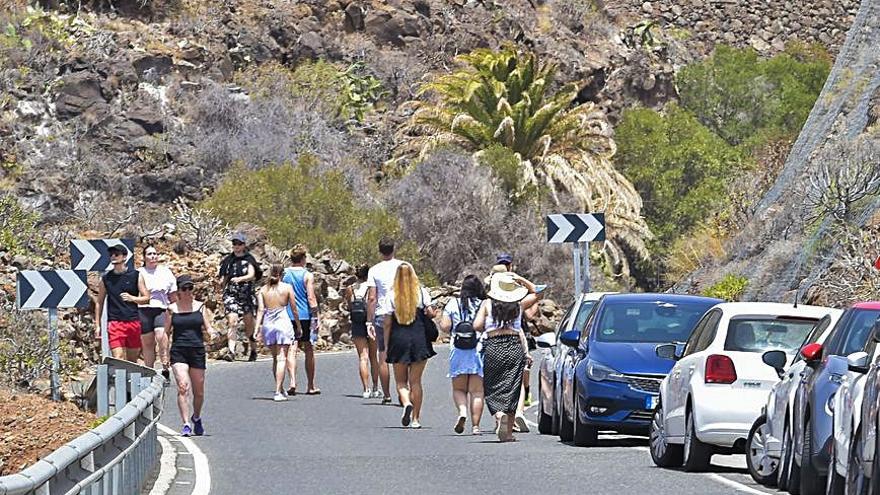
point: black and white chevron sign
(52, 289)
(575, 227)
(91, 254)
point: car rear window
(649, 321)
(759, 334)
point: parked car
(863, 467)
(846, 412)
(721, 379)
(555, 353)
(768, 433)
(812, 422)
(612, 378)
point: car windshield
(762, 333)
(859, 330)
(649, 321)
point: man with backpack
(239, 272)
(380, 278)
(368, 361)
(465, 363)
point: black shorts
(359, 330)
(192, 356)
(307, 331)
(151, 319)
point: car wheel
(663, 453)
(836, 482)
(545, 421)
(696, 453)
(584, 435)
(811, 482)
(856, 484)
(566, 428)
(762, 467)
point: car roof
(867, 305)
(594, 296)
(771, 308)
(664, 297)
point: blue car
(613, 378)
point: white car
(766, 438)
(721, 379)
(846, 411)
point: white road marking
(167, 469)
(735, 485)
(200, 462)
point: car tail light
(720, 369)
(811, 352)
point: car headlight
(599, 372)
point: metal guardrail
(113, 458)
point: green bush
(296, 204)
(18, 228)
(742, 97)
(506, 168)
(730, 288)
(679, 167)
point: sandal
(291, 391)
(316, 391)
(502, 429)
(459, 425)
(476, 431)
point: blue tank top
(296, 276)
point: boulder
(80, 92)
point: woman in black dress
(408, 348)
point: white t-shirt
(160, 283)
(424, 300)
(381, 276)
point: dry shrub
(852, 276)
(702, 247)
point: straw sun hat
(504, 288)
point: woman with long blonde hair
(408, 348)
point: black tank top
(116, 284)
(186, 329)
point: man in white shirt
(379, 282)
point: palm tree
(504, 98)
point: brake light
(720, 369)
(811, 352)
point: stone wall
(763, 24)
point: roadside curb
(190, 474)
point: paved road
(339, 443)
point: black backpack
(358, 309)
(463, 335)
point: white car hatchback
(722, 377)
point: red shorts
(124, 334)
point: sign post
(92, 255)
(579, 229)
(52, 290)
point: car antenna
(797, 295)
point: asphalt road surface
(338, 442)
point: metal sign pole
(585, 253)
(576, 251)
(56, 357)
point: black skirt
(503, 365)
(407, 343)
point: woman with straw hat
(505, 350)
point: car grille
(644, 384)
(641, 415)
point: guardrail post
(121, 389)
(135, 384)
(103, 391)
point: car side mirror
(811, 353)
(546, 340)
(775, 360)
(570, 338)
(667, 351)
(857, 362)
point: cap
(238, 236)
(118, 247)
(184, 280)
(504, 258)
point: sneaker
(198, 428)
(407, 415)
(459, 425)
(376, 394)
(279, 397)
(416, 425)
(520, 425)
(367, 394)
(291, 391)
(186, 431)
(253, 356)
(386, 400)
(528, 401)
(502, 429)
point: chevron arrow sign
(52, 289)
(575, 227)
(91, 254)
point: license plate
(651, 402)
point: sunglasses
(237, 243)
(186, 288)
